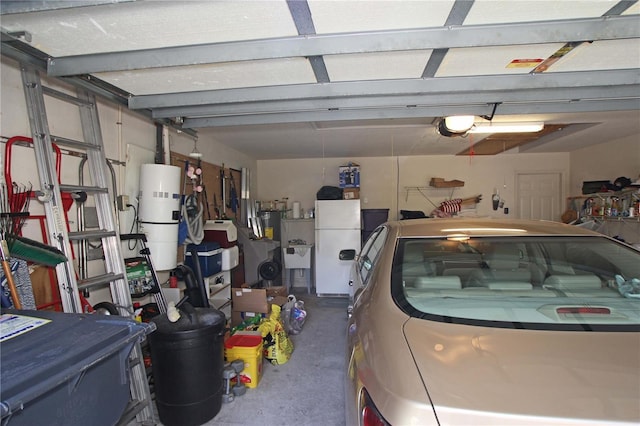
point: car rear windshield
(538, 282)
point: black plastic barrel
(187, 359)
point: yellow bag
(276, 343)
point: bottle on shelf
(589, 210)
(615, 206)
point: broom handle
(7, 273)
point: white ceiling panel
(492, 11)
(142, 25)
(374, 66)
(600, 55)
(272, 72)
(367, 15)
(633, 10)
(237, 71)
(491, 61)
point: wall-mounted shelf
(219, 291)
(614, 219)
(441, 183)
(619, 226)
(421, 190)
(627, 197)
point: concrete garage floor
(309, 388)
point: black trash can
(187, 359)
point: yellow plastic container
(249, 349)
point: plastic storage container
(249, 349)
(230, 258)
(371, 219)
(187, 358)
(223, 232)
(73, 369)
(209, 257)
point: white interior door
(539, 196)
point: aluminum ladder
(140, 407)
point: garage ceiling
(314, 78)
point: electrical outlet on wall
(123, 202)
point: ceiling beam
(560, 31)
(21, 52)
(26, 55)
(620, 7)
(457, 15)
(24, 6)
(484, 83)
(414, 112)
(438, 99)
(301, 15)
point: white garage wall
(606, 161)
(383, 180)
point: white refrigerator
(337, 227)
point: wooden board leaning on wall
(211, 181)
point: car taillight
(583, 310)
(370, 414)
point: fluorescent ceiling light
(507, 128)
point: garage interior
(269, 99)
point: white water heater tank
(159, 212)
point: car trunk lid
(507, 376)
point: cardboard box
(250, 302)
(139, 276)
(349, 176)
(351, 193)
(279, 291)
(41, 284)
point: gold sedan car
(493, 322)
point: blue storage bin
(65, 369)
(209, 257)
